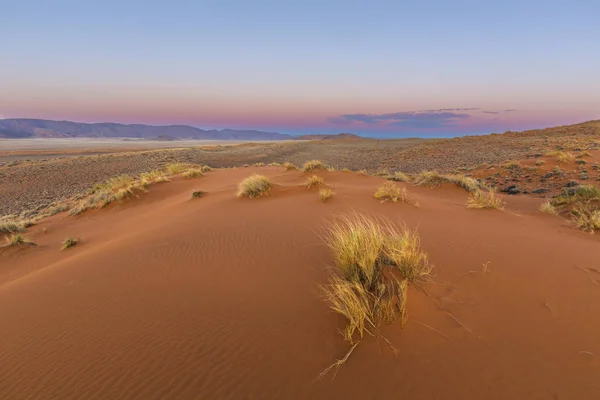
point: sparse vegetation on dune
(392, 192)
(583, 193)
(17, 239)
(176, 168)
(325, 194)
(314, 180)
(561, 156)
(155, 176)
(11, 227)
(259, 164)
(513, 165)
(374, 261)
(198, 193)
(480, 199)
(313, 165)
(586, 217)
(70, 242)
(254, 186)
(193, 173)
(435, 179)
(399, 177)
(206, 168)
(289, 166)
(548, 208)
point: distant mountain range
(40, 128)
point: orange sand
(169, 297)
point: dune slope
(169, 297)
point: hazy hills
(39, 128)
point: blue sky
(382, 68)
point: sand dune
(169, 297)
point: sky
(378, 68)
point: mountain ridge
(26, 128)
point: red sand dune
(169, 297)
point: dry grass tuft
(434, 179)
(539, 163)
(11, 227)
(579, 194)
(586, 218)
(16, 239)
(198, 193)
(399, 177)
(206, 168)
(254, 186)
(70, 242)
(325, 194)
(363, 172)
(259, 164)
(547, 207)
(313, 165)
(176, 168)
(513, 165)
(274, 164)
(314, 180)
(289, 166)
(561, 156)
(374, 262)
(390, 191)
(155, 176)
(193, 173)
(481, 199)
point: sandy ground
(169, 297)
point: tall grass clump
(435, 179)
(586, 218)
(325, 194)
(206, 168)
(390, 191)
(313, 165)
(289, 166)
(583, 193)
(374, 260)
(561, 156)
(480, 199)
(70, 242)
(193, 173)
(155, 176)
(314, 180)
(11, 227)
(16, 239)
(254, 186)
(176, 168)
(398, 177)
(548, 208)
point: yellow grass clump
(479, 199)
(289, 166)
(10, 226)
(390, 191)
(547, 207)
(586, 218)
(313, 165)
(16, 239)
(561, 156)
(374, 262)
(254, 186)
(155, 176)
(192, 173)
(206, 168)
(176, 168)
(325, 194)
(399, 177)
(70, 242)
(434, 179)
(314, 180)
